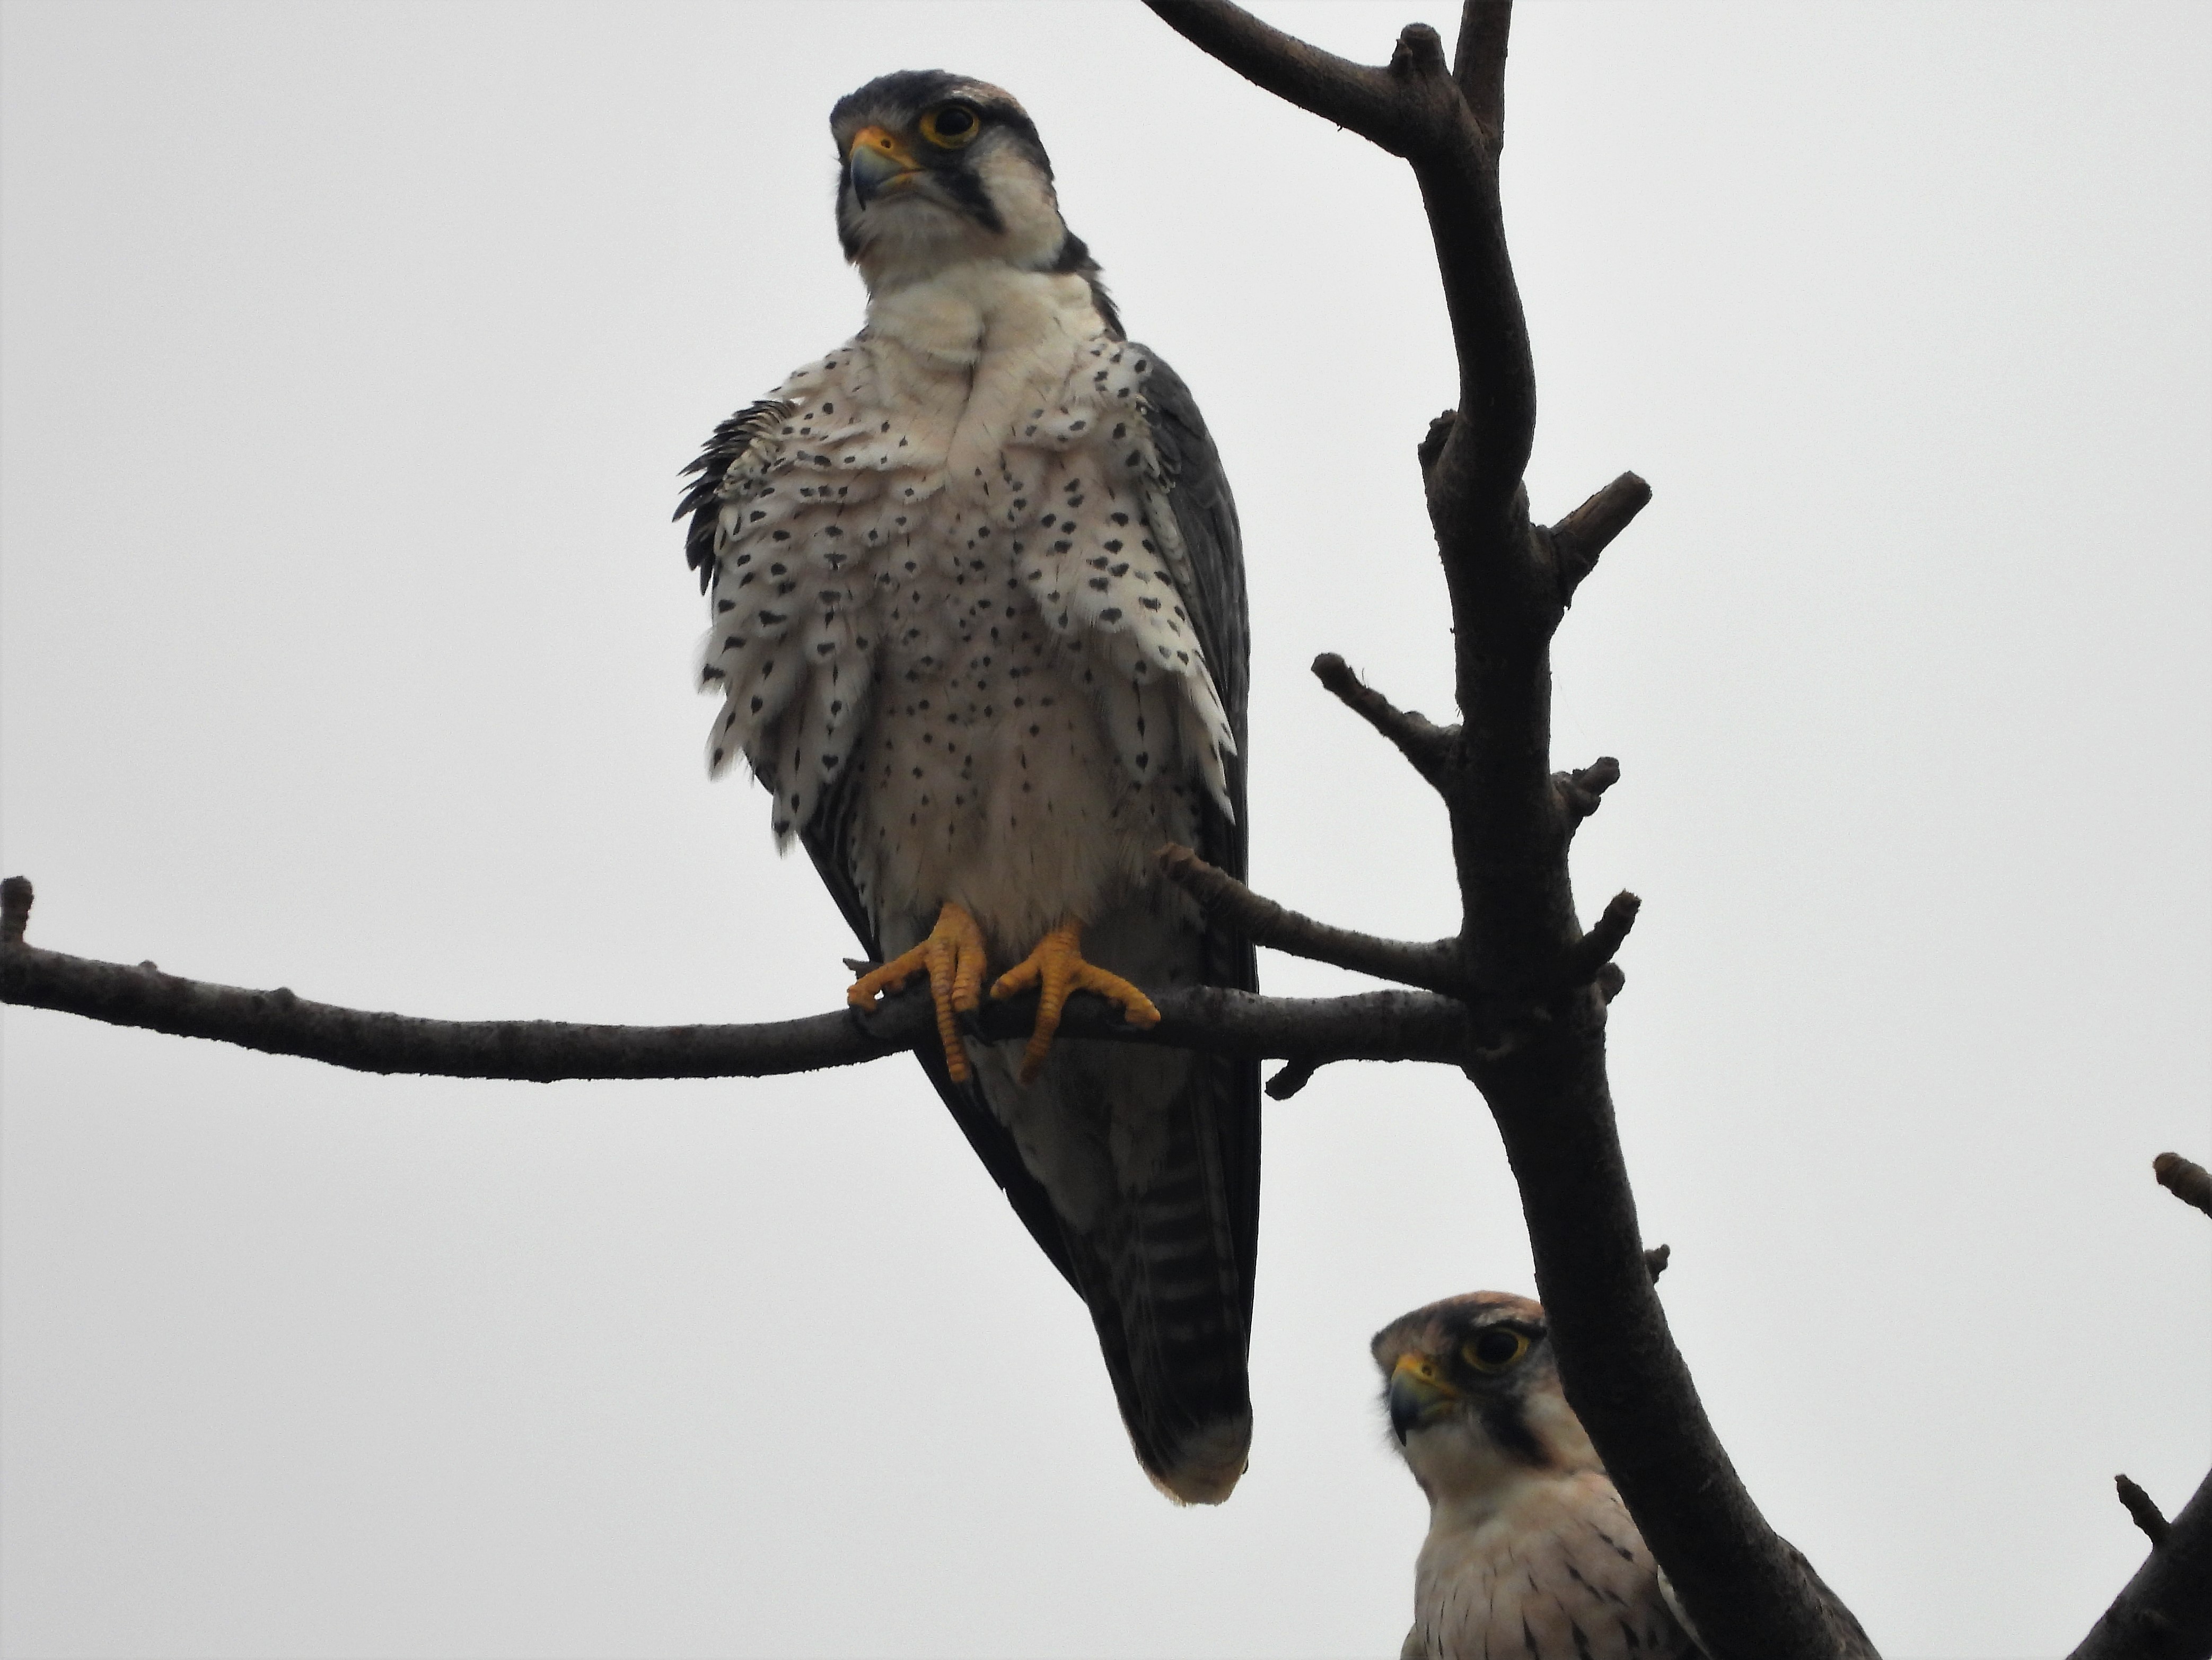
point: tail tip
(1206, 1464)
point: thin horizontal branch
(2142, 1511)
(1433, 966)
(1577, 539)
(1388, 1026)
(1420, 739)
(2186, 1179)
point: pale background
(349, 357)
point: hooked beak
(1418, 1394)
(877, 162)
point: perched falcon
(978, 624)
(1530, 1552)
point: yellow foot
(952, 957)
(1057, 965)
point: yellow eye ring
(1495, 1349)
(952, 126)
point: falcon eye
(1495, 1349)
(952, 126)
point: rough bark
(1530, 975)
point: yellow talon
(1057, 966)
(952, 957)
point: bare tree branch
(1577, 539)
(2142, 1511)
(15, 897)
(1479, 65)
(2186, 1180)
(1582, 792)
(1372, 103)
(1433, 965)
(1387, 1025)
(1543, 1074)
(1420, 740)
(1595, 949)
(2164, 1612)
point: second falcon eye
(1495, 1349)
(953, 126)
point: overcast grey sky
(349, 355)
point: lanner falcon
(1530, 1552)
(978, 624)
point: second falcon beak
(1417, 1393)
(877, 162)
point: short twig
(1423, 742)
(1291, 1078)
(1581, 791)
(2186, 1179)
(1434, 440)
(1655, 1261)
(1433, 966)
(1595, 950)
(2144, 1510)
(15, 897)
(1577, 539)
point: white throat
(1000, 342)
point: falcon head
(1473, 1396)
(940, 170)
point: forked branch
(1521, 948)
